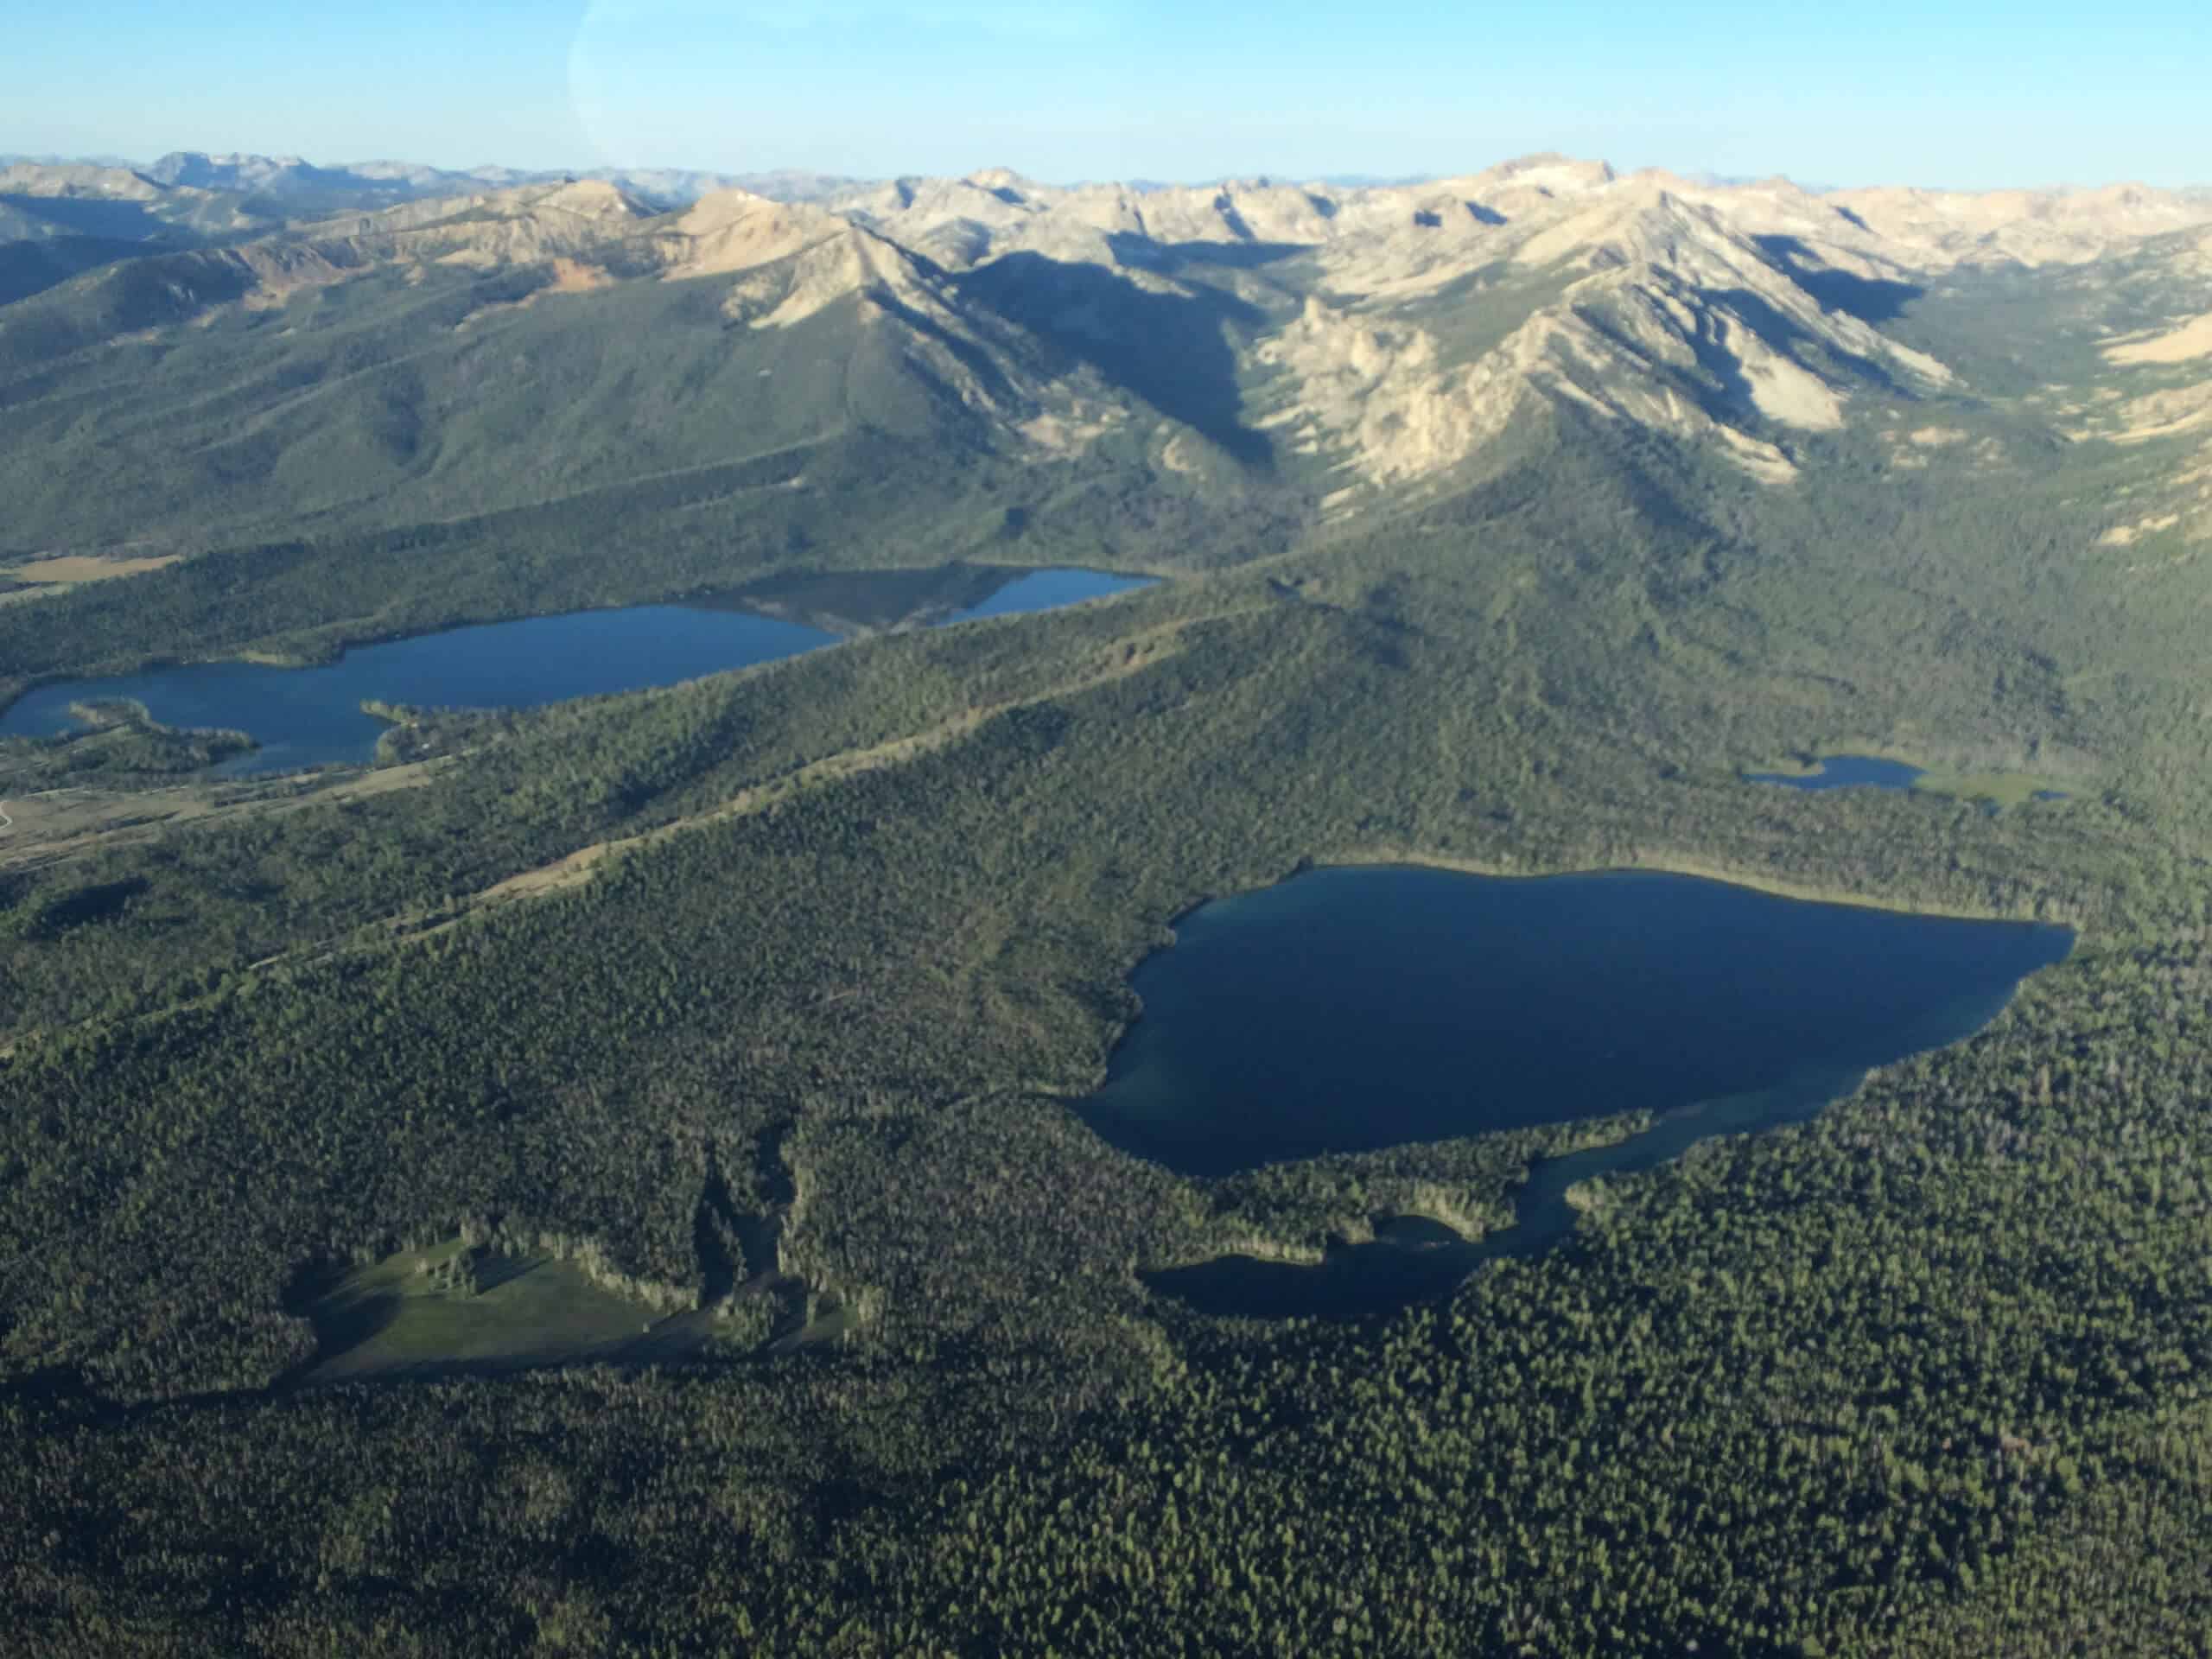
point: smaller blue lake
(1844, 771)
(1044, 590)
(312, 716)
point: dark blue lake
(1346, 1010)
(1844, 771)
(312, 716)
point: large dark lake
(1349, 1009)
(313, 716)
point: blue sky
(1965, 93)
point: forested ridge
(824, 952)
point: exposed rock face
(1370, 338)
(1935, 228)
(2191, 340)
(1662, 314)
(735, 230)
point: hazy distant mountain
(370, 182)
(204, 172)
(289, 186)
(1338, 181)
(48, 159)
(59, 218)
(678, 185)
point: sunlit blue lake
(313, 716)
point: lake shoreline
(327, 715)
(1361, 1008)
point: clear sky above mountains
(1966, 93)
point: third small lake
(1844, 771)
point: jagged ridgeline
(614, 1176)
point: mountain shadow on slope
(1170, 350)
(1130, 248)
(120, 221)
(1720, 385)
(31, 268)
(1873, 301)
(1786, 335)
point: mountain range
(1300, 348)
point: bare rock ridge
(1352, 338)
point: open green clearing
(454, 1308)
